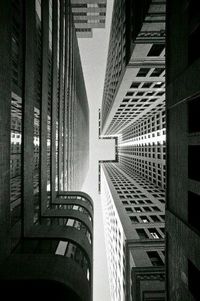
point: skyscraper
(88, 14)
(133, 190)
(46, 232)
(183, 105)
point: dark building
(133, 189)
(46, 233)
(183, 180)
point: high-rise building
(135, 74)
(46, 232)
(88, 14)
(183, 175)
(134, 226)
(133, 189)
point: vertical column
(28, 118)
(60, 138)
(74, 108)
(5, 101)
(67, 109)
(54, 98)
(44, 106)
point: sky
(93, 53)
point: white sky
(94, 56)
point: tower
(182, 203)
(47, 232)
(133, 189)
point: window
(193, 115)
(193, 280)
(194, 30)
(102, 5)
(70, 222)
(129, 209)
(155, 218)
(138, 209)
(81, 21)
(135, 85)
(193, 210)
(148, 201)
(147, 85)
(129, 93)
(154, 233)
(143, 72)
(155, 258)
(140, 202)
(162, 217)
(134, 219)
(144, 219)
(155, 208)
(146, 209)
(133, 202)
(162, 230)
(79, 5)
(193, 162)
(141, 233)
(79, 14)
(156, 50)
(83, 29)
(157, 72)
(158, 85)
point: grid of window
(142, 202)
(142, 148)
(116, 56)
(143, 97)
(134, 110)
(149, 126)
(115, 242)
(16, 111)
(88, 15)
(149, 82)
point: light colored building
(134, 228)
(115, 243)
(135, 74)
(133, 110)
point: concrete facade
(44, 147)
(182, 207)
(133, 110)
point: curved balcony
(43, 277)
(63, 217)
(74, 206)
(58, 247)
(65, 233)
(75, 196)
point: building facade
(135, 74)
(133, 189)
(134, 208)
(88, 14)
(44, 138)
(183, 197)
